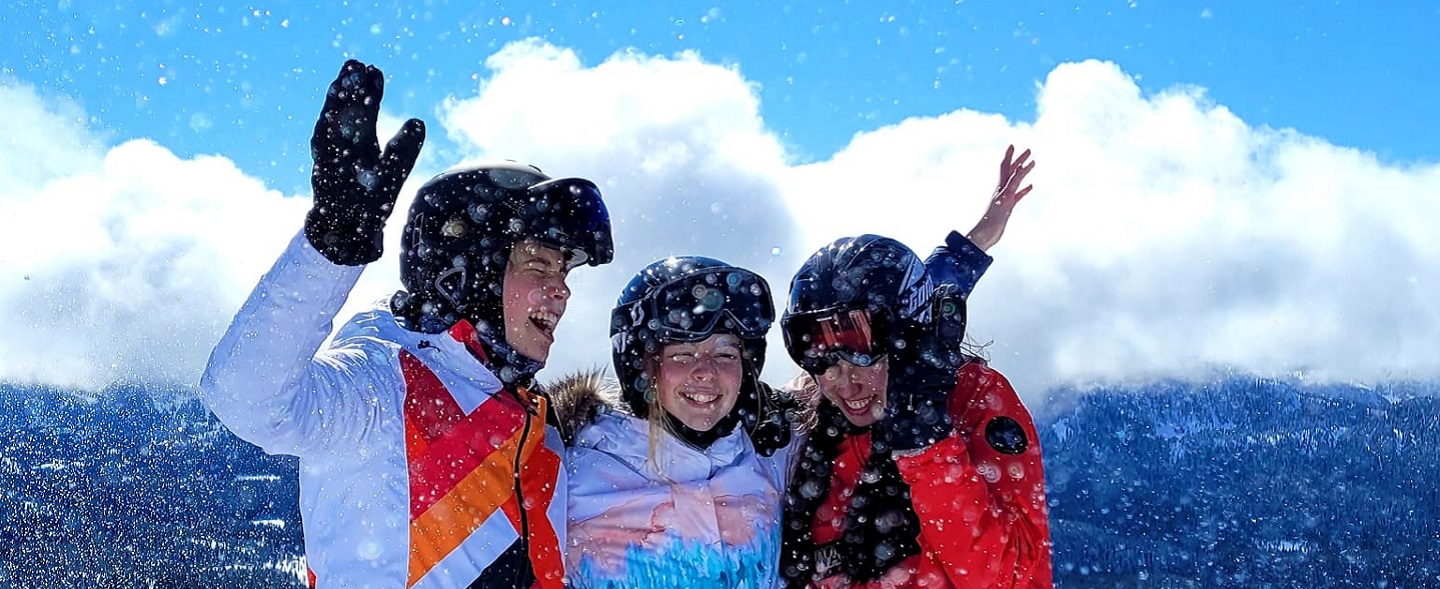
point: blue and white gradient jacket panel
(703, 519)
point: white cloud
(678, 149)
(42, 141)
(123, 264)
(1165, 235)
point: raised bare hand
(1008, 193)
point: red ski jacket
(979, 495)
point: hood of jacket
(578, 398)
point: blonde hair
(659, 426)
(806, 392)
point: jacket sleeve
(265, 380)
(958, 262)
(980, 494)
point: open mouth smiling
(699, 397)
(545, 321)
(859, 406)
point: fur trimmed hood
(576, 398)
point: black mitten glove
(355, 183)
(916, 409)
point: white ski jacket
(411, 451)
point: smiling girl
(682, 487)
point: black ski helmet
(687, 299)
(914, 317)
(463, 225)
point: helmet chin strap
(754, 382)
(701, 439)
(512, 367)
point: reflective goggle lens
(819, 341)
(570, 213)
(694, 307)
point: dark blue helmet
(904, 312)
(463, 225)
(686, 299)
(459, 234)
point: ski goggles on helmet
(821, 339)
(569, 214)
(696, 306)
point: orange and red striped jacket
(418, 468)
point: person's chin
(538, 352)
(861, 422)
(703, 425)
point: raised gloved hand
(916, 409)
(355, 183)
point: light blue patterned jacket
(700, 520)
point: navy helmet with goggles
(459, 234)
(687, 299)
(862, 298)
(825, 338)
(461, 229)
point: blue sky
(242, 81)
(1221, 185)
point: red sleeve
(981, 498)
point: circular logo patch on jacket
(1006, 436)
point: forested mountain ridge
(1239, 482)
(134, 487)
(1246, 482)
